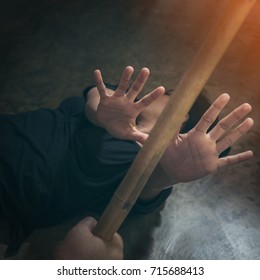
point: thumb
(139, 136)
(89, 222)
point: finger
(230, 160)
(138, 84)
(149, 98)
(124, 82)
(211, 114)
(234, 135)
(229, 121)
(90, 222)
(115, 248)
(100, 84)
(117, 240)
(138, 136)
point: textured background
(48, 52)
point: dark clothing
(55, 164)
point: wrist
(157, 183)
(145, 207)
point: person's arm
(116, 111)
(195, 154)
(189, 156)
(81, 244)
(157, 182)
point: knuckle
(208, 119)
(135, 88)
(228, 141)
(223, 125)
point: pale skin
(116, 111)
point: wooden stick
(172, 117)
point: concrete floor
(48, 52)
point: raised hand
(195, 154)
(117, 111)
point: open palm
(195, 154)
(117, 111)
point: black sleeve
(156, 204)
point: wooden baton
(172, 116)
